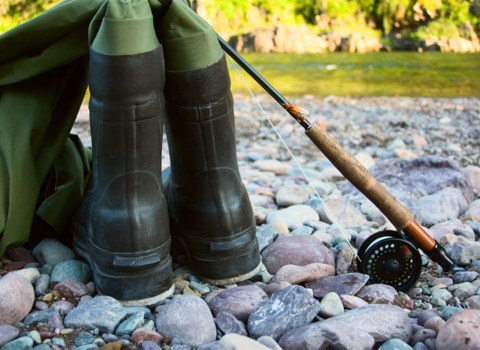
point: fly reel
(388, 258)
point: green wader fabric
(43, 80)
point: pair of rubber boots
(125, 221)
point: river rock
(19, 343)
(465, 276)
(358, 329)
(239, 301)
(144, 334)
(266, 234)
(7, 334)
(279, 168)
(440, 230)
(362, 236)
(344, 212)
(227, 323)
(379, 292)
(447, 204)
(16, 298)
(269, 342)
(461, 332)
(331, 305)
(129, 325)
(446, 281)
(294, 216)
(424, 316)
(31, 274)
(261, 201)
(395, 344)
(272, 288)
(473, 211)
(422, 335)
(40, 316)
(465, 253)
(441, 294)
(291, 195)
(189, 319)
(290, 308)
(435, 323)
(449, 311)
(352, 302)
(102, 312)
(237, 342)
(72, 269)
(51, 251)
(76, 288)
(41, 284)
(296, 274)
(64, 305)
(84, 339)
(346, 284)
(474, 301)
(472, 173)
(344, 260)
(295, 250)
(20, 254)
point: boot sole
(222, 282)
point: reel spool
(388, 258)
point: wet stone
(75, 269)
(84, 339)
(227, 323)
(128, 326)
(347, 284)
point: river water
(431, 74)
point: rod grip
(361, 178)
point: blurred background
(340, 47)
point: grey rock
(16, 298)
(430, 344)
(83, 339)
(128, 326)
(475, 226)
(55, 321)
(63, 305)
(298, 250)
(266, 234)
(75, 287)
(422, 335)
(420, 346)
(227, 323)
(347, 284)
(379, 292)
(449, 311)
(211, 346)
(395, 344)
(437, 301)
(294, 216)
(72, 269)
(440, 231)
(290, 308)
(180, 347)
(275, 287)
(303, 230)
(468, 234)
(51, 251)
(358, 329)
(269, 342)
(31, 274)
(109, 338)
(441, 294)
(447, 204)
(291, 195)
(317, 225)
(150, 345)
(344, 260)
(102, 312)
(331, 305)
(465, 253)
(133, 309)
(39, 316)
(460, 277)
(464, 290)
(362, 236)
(344, 212)
(46, 347)
(188, 318)
(425, 316)
(18, 344)
(201, 288)
(84, 299)
(47, 269)
(7, 334)
(41, 284)
(474, 302)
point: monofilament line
(295, 160)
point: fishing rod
(388, 257)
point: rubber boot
(129, 239)
(210, 211)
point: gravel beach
(309, 293)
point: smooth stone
(422, 335)
(379, 292)
(346, 284)
(56, 321)
(237, 342)
(84, 339)
(473, 211)
(437, 301)
(238, 301)
(474, 302)
(317, 225)
(41, 285)
(295, 215)
(291, 195)
(468, 234)
(465, 253)
(460, 332)
(352, 302)
(201, 288)
(260, 201)
(20, 254)
(133, 309)
(296, 274)
(16, 298)
(304, 230)
(344, 260)
(188, 318)
(362, 236)
(211, 346)
(395, 344)
(435, 323)
(290, 308)
(275, 166)
(64, 305)
(102, 312)
(227, 323)
(342, 211)
(7, 334)
(47, 269)
(39, 316)
(180, 347)
(464, 290)
(353, 330)
(149, 345)
(272, 288)
(76, 288)
(449, 311)
(18, 344)
(110, 338)
(149, 325)
(31, 274)
(469, 276)
(445, 281)
(72, 269)
(84, 347)
(441, 294)
(420, 346)
(269, 342)
(129, 325)
(439, 231)
(144, 334)
(84, 299)
(424, 316)
(46, 347)
(58, 341)
(295, 250)
(331, 305)
(266, 234)
(51, 251)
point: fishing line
(295, 159)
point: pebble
(295, 250)
(188, 318)
(352, 302)
(465, 253)
(435, 323)
(266, 234)
(51, 251)
(449, 311)
(41, 284)
(303, 230)
(238, 301)
(56, 321)
(128, 326)
(273, 288)
(341, 210)
(74, 269)
(7, 334)
(35, 335)
(331, 305)
(347, 284)
(19, 343)
(422, 335)
(344, 260)
(76, 288)
(63, 305)
(291, 195)
(47, 269)
(102, 312)
(16, 298)
(395, 344)
(58, 341)
(227, 323)
(83, 339)
(474, 301)
(460, 277)
(461, 331)
(133, 309)
(279, 168)
(109, 338)
(445, 281)
(296, 274)
(201, 288)
(444, 205)
(290, 308)
(144, 334)
(238, 342)
(294, 216)
(378, 291)
(149, 345)
(441, 294)
(31, 274)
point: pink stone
(16, 298)
(352, 302)
(445, 281)
(15, 265)
(461, 332)
(20, 254)
(435, 323)
(296, 274)
(75, 287)
(144, 334)
(273, 288)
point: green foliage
(443, 27)
(390, 11)
(15, 12)
(457, 10)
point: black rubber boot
(129, 239)
(210, 211)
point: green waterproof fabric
(43, 80)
